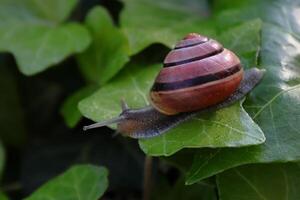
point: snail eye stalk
(104, 123)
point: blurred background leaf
(35, 34)
(109, 50)
(79, 182)
(3, 196)
(107, 54)
(146, 22)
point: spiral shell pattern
(197, 73)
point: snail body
(199, 75)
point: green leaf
(33, 31)
(3, 196)
(274, 104)
(79, 182)
(227, 127)
(131, 84)
(109, 50)
(267, 182)
(12, 122)
(146, 21)
(69, 109)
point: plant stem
(147, 177)
(14, 186)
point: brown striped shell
(197, 73)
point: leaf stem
(14, 186)
(147, 177)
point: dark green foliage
(106, 50)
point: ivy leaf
(33, 31)
(253, 182)
(146, 22)
(274, 104)
(69, 109)
(109, 50)
(79, 182)
(3, 196)
(131, 85)
(227, 127)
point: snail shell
(197, 73)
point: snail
(198, 75)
